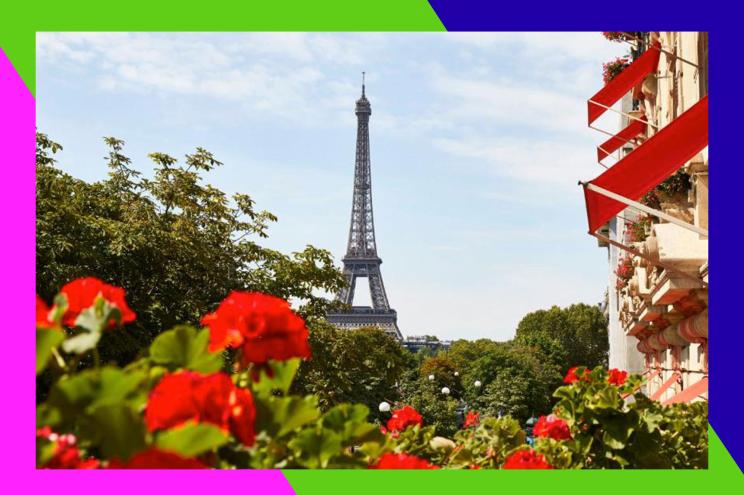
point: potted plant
(613, 68)
(624, 272)
(640, 229)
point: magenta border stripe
(17, 288)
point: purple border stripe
(17, 200)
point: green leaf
(350, 421)
(46, 341)
(314, 448)
(59, 308)
(191, 439)
(80, 394)
(117, 428)
(185, 347)
(617, 431)
(44, 451)
(278, 416)
(282, 374)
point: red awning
(624, 82)
(691, 392)
(671, 381)
(632, 130)
(649, 164)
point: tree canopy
(177, 245)
(571, 336)
(362, 366)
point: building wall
(661, 316)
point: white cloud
(272, 73)
(487, 103)
(552, 163)
(546, 46)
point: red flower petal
(526, 459)
(42, 313)
(617, 377)
(472, 419)
(156, 459)
(403, 418)
(552, 426)
(402, 461)
(188, 396)
(82, 293)
(263, 326)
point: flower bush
(624, 271)
(672, 190)
(610, 431)
(638, 230)
(615, 36)
(613, 68)
(185, 405)
(618, 36)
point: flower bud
(441, 443)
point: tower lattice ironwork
(362, 260)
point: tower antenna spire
(362, 83)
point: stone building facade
(658, 316)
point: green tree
(515, 380)
(360, 366)
(176, 245)
(425, 395)
(572, 336)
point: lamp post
(384, 407)
(445, 391)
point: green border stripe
(20, 22)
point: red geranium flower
(82, 293)
(402, 461)
(42, 314)
(552, 426)
(571, 375)
(153, 458)
(617, 377)
(188, 396)
(263, 326)
(472, 419)
(66, 454)
(403, 418)
(526, 459)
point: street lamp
(477, 384)
(431, 378)
(457, 373)
(445, 391)
(384, 407)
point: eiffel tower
(361, 260)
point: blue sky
(477, 143)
